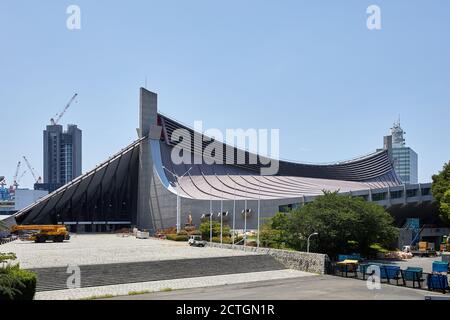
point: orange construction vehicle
(43, 233)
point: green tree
(440, 188)
(445, 204)
(274, 233)
(343, 224)
(204, 229)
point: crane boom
(21, 176)
(15, 183)
(58, 116)
(37, 178)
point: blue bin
(437, 282)
(440, 266)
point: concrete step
(119, 273)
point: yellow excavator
(43, 233)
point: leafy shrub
(238, 239)
(376, 249)
(195, 233)
(10, 286)
(251, 244)
(204, 229)
(29, 279)
(176, 237)
(6, 257)
(182, 233)
(17, 284)
(171, 230)
(225, 240)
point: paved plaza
(298, 288)
(88, 249)
(170, 285)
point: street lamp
(178, 194)
(234, 214)
(312, 234)
(259, 211)
(210, 228)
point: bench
(364, 266)
(391, 273)
(348, 266)
(414, 274)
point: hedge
(20, 283)
(29, 279)
(175, 237)
(225, 240)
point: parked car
(196, 241)
(406, 249)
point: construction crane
(15, 182)
(36, 177)
(58, 116)
(21, 176)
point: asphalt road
(305, 288)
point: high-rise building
(62, 155)
(404, 158)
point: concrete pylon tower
(148, 129)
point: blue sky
(310, 68)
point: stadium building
(141, 186)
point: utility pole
(259, 212)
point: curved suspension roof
(375, 167)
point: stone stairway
(121, 273)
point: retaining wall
(303, 261)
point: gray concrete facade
(147, 119)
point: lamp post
(178, 195)
(221, 221)
(245, 224)
(312, 234)
(221, 213)
(210, 228)
(259, 212)
(234, 213)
